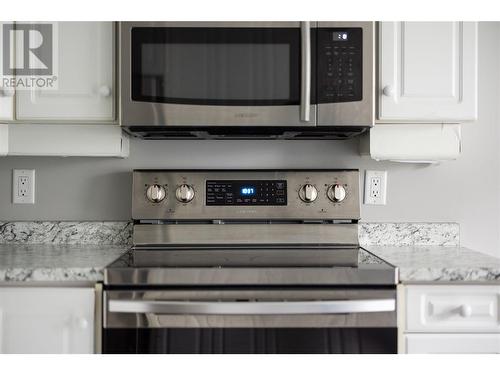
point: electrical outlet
(375, 187)
(23, 186)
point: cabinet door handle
(388, 91)
(105, 91)
(7, 92)
(82, 323)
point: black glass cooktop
(249, 265)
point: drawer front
(466, 343)
(450, 308)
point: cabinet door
(428, 71)
(6, 94)
(85, 77)
(46, 320)
(452, 343)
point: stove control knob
(336, 193)
(308, 193)
(184, 193)
(155, 193)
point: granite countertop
(68, 251)
(85, 262)
(439, 263)
(62, 263)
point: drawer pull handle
(465, 311)
(6, 92)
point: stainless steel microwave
(246, 79)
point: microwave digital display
(340, 36)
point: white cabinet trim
(425, 343)
(4, 139)
(69, 140)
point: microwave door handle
(252, 308)
(305, 85)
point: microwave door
(345, 74)
(217, 74)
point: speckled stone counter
(63, 263)
(439, 264)
(78, 251)
(66, 232)
(120, 233)
(60, 263)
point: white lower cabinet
(449, 318)
(47, 320)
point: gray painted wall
(465, 190)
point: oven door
(216, 74)
(250, 321)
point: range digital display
(248, 190)
(246, 193)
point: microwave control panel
(340, 65)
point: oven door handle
(252, 308)
(305, 85)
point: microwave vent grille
(235, 133)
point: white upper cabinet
(85, 76)
(427, 71)
(6, 104)
(6, 94)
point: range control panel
(246, 193)
(241, 195)
(340, 65)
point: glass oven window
(216, 66)
(250, 341)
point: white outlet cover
(23, 186)
(380, 197)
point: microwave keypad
(340, 65)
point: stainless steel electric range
(248, 261)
